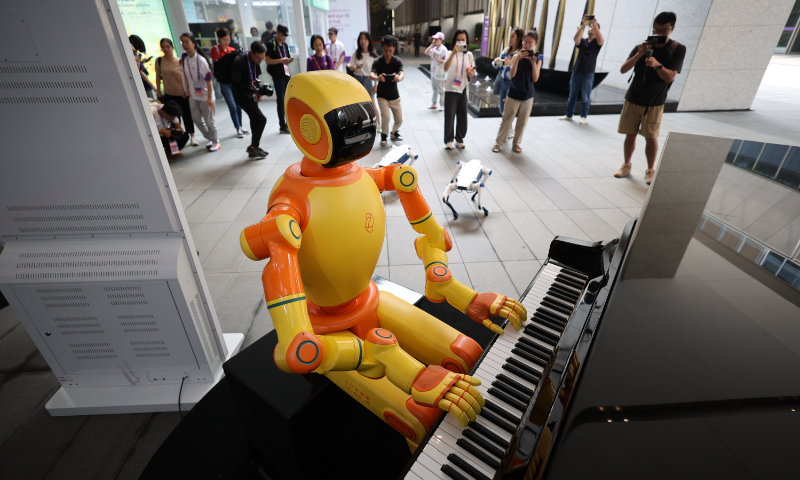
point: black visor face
(353, 131)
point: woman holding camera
(525, 69)
(503, 62)
(460, 67)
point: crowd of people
(185, 89)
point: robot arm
(431, 247)
(299, 350)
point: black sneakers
(396, 136)
(255, 152)
(383, 139)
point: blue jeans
(280, 91)
(367, 82)
(582, 82)
(236, 110)
(505, 86)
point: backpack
(223, 66)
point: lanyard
(189, 65)
(463, 63)
(249, 70)
(161, 119)
(280, 50)
(316, 60)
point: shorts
(646, 121)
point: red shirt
(216, 49)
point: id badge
(198, 91)
(173, 146)
(286, 70)
(456, 82)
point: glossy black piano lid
(691, 375)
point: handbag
(440, 74)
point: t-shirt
(417, 39)
(387, 89)
(336, 51)
(162, 122)
(196, 74)
(366, 62)
(506, 69)
(243, 72)
(267, 37)
(275, 51)
(171, 76)
(456, 76)
(587, 56)
(217, 52)
(438, 52)
(647, 88)
(522, 83)
(319, 63)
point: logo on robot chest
(369, 223)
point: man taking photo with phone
(655, 65)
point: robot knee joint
(438, 272)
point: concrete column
(734, 49)
(299, 34)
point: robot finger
(491, 326)
(472, 391)
(518, 308)
(467, 397)
(462, 404)
(471, 380)
(453, 410)
(506, 312)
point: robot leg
(447, 191)
(425, 337)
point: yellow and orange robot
(323, 234)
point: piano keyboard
(509, 373)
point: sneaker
(623, 171)
(255, 152)
(433, 107)
(566, 118)
(285, 131)
(448, 145)
(245, 131)
(239, 133)
(215, 146)
(397, 137)
(461, 145)
(194, 142)
(583, 120)
(209, 144)
(648, 175)
(383, 139)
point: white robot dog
(467, 178)
(397, 154)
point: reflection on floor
(561, 184)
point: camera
(462, 47)
(263, 89)
(388, 76)
(589, 17)
(654, 40)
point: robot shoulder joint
(289, 229)
(404, 178)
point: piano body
(616, 375)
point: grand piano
(662, 353)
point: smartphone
(388, 76)
(589, 17)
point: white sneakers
(623, 171)
(448, 145)
(566, 118)
(215, 146)
(583, 120)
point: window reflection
(790, 171)
(748, 155)
(734, 150)
(770, 160)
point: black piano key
(464, 465)
(488, 433)
(538, 335)
(540, 348)
(452, 473)
(556, 306)
(511, 391)
(565, 298)
(560, 316)
(520, 373)
(527, 356)
(501, 395)
(548, 323)
(524, 344)
(501, 412)
(538, 329)
(571, 281)
(520, 387)
(569, 270)
(565, 291)
(523, 366)
(550, 316)
(483, 443)
(492, 418)
(478, 453)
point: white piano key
(431, 468)
(539, 295)
(489, 425)
(451, 440)
(502, 404)
(413, 476)
(502, 347)
(495, 372)
(436, 457)
(546, 328)
(445, 449)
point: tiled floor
(561, 184)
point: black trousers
(186, 112)
(257, 119)
(180, 137)
(455, 108)
(416, 50)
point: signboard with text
(350, 17)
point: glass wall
(788, 42)
(147, 19)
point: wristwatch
(658, 68)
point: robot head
(330, 117)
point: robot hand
(493, 304)
(452, 392)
